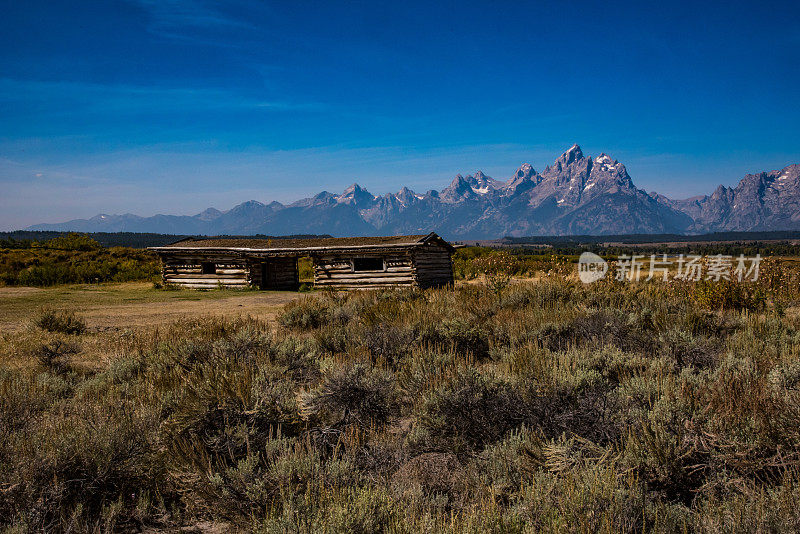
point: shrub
(297, 358)
(457, 334)
(728, 294)
(305, 314)
(72, 241)
(598, 328)
(305, 269)
(225, 416)
(469, 412)
(23, 398)
(65, 322)
(387, 341)
(244, 344)
(86, 470)
(546, 294)
(557, 407)
(54, 356)
(47, 267)
(688, 350)
(353, 394)
(429, 473)
(497, 268)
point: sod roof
(292, 243)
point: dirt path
(133, 304)
(261, 306)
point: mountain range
(575, 195)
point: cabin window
(367, 264)
(209, 267)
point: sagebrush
(548, 406)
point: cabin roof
(291, 244)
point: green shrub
(387, 341)
(599, 328)
(78, 468)
(456, 334)
(72, 241)
(65, 322)
(82, 265)
(728, 294)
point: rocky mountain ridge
(575, 195)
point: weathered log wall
(433, 265)
(232, 271)
(187, 271)
(336, 271)
(427, 265)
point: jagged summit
(526, 169)
(355, 194)
(575, 195)
(525, 178)
(573, 154)
(352, 189)
(482, 184)
(458, 190)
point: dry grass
(132, 304)
(538, 407)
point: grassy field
(548, 406)
(519, 401)
(114, 311)
(132, 304)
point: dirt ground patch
(153, 313)
(129, 305)
(10, 292)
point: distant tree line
(71, 258)
(586, 240)
(22, 239)
(733, 248)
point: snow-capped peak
(606, 163)
(480, 184)
(525, 169)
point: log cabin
(420, 261)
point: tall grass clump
(62, 321)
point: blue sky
(171, 106)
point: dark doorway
(277, 274)
(265, 272)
